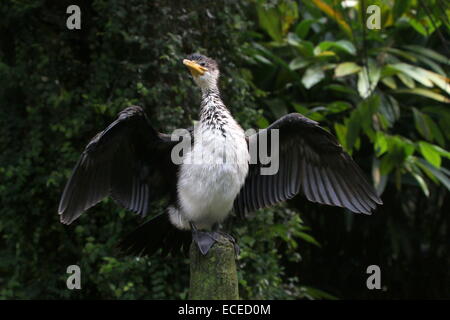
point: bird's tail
(154, 234)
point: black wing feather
(128, 161)
(311, 161)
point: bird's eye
(202, 64)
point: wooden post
(213, 276)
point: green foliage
(384, 92)
(270, 233)
(297, 61)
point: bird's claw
(205, 240)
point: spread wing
(311, 161)
(128, 161)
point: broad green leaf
(390, 82)
(368, 79)
(353, 125)
(429, 53)
(419, 27)
(314, 294)
(421, 181)
(325, 54)
(424, 92)
(262, 122)
(429, 25)
(407, 80)
(381, 122)
(421, 122)
(338, 106)
(416, 161)
(302, 28)
(312, 76)
(363, 83)
(343, 45)
(441, 81)
(346, 68)
(387, 163)
(399, 8)
(367, 109)
(420, 75)
(289, 14)
(441, 151)
(300, 108)
(379, 180)
(269, 20)
(329, 66)
(441, 174)
(306, 48)
(381, 144)
(261, 59)
(390, 109)
(341, 133)
(430, 154)
(399, 149)
(430, 63)
(333, 14)
(307, 237)
(341, 88)
(408, 147)
(387, 71)
(402, 53)
(315, 113)
(293, 39)
(435, 131)
(298, 63)
(318, 109)
(267, 53)
(441, 112)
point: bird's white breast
(211, 180)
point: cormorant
(133, 163)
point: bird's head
(204, 70)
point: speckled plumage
(207, 188)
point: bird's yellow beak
(194, 67)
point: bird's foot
(206, 239)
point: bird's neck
(211, 99)
(213, 110)
(210, 91)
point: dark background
(59, 87)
